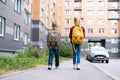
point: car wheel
(107, 61)
(102, 61)
(86, 57)
(91, 60)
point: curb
(17, 72)
(107, 73)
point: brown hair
(76, 21)
(54, 24)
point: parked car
(97, 54)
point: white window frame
(67, 30)
(114, 50)
(114, 22)
(68, 21)
(25, 38)
(89, 3)
(101, 3)
(114, 31)
(17, 5)
(90, 22)
(90, 30)
(68, 3)
(41, 44)
(114, 41)
(68, 12)
(101, 30)
(90, 12)
(16, 32)
(26, 19)
(101, 21)
(42, 1)
(42, 13)
(101, 12)
(2, 26)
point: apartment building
(101, 19)
(43, 13)
(24, 22)
(15, 24)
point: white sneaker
(49, 67)
(78, 67)
(74, 66)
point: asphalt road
(112, 68)
(66, 72)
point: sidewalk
(112, 69)
(65, 72)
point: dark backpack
(53, 39)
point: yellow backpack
(77, 35)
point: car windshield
(97, 49)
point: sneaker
(74, 66)
(49, 67)
(57, 67)
(78, 67)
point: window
(26, 19)
(41, 27)
(42, 1)
(76, 4)
(16, 32)
(42, 13)
(114, 4)
(101, 21)
(68, 21)
(89, 3)
(77, 14)
(101, 3)
(25, 38)
(114, 31)
(114, 22)
(68, 3)
(41, 44)
(114, 41)
(17, 5)
(114, 50)
(101, 30)
(4, 1)
(101, 12)
(27, 1)
(67, 30)
(90, 30)
(90, 12)
(90, 22)
(68, 12)
(2, 26)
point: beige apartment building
(100, 18)
(43, 13)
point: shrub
(66, 50)
(30, 52)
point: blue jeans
(53, 52)
(77, 55)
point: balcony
(77, 8)
(77, 0)
(113, 8)
(113, 0)
(113, 17)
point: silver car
(97, 54)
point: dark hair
(75, 20)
